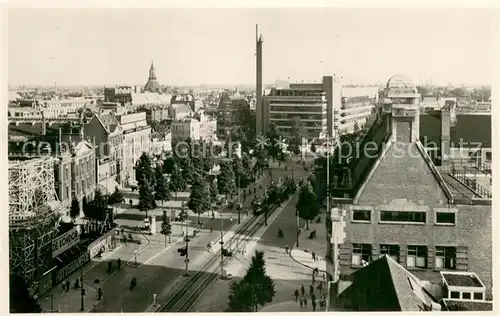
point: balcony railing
(461, 175)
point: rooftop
(461, 305)
(462, 279)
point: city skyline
(111, 46)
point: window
(466, 295)
(417, 257)
(390, 250)
(445, 258)
(445, 218)
(360, 253)
(360, 215)
(410, 217)
(478, 296)
(455, 295)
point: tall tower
(152, 72)
(258, 108)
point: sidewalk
(303, 253)
(69, 302)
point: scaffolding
(34, 215)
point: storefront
(104, 243)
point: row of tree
(254, 290)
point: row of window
(404, 217)
(416, 256)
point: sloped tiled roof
(403, 173)
(384, 285)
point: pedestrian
(314, 256)
(316, 271)
(296, 294)
(320, 287)
(67, 285)
(302, 289)
(119, 263)
(305, 302)
(311, 289)
(286, 249)
(324, 276)
(301, 302)
(314, 305)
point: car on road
(145, 224)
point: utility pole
(221, 246)
(82, 291)
(265, 203)
(187, 252)
(239, 201)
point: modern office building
(316, 110)
(391, 199)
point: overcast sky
(216, 46)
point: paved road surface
(164, 267)
(287, 274)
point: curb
(298, 262)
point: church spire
(152, 72)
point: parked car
(145, 224)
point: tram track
(188, 294)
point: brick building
(394, 200)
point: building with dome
(152, 85)
(392, 200)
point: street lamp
(221, 246)
(135, 257)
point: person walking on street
(311, 289)
(296, 294)
(119, 263)
(305, 302)
(302, 290)
(286, 249)
(314, 256)
(301, 302)
(314, 305)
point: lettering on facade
(64, 242)
(72, 267)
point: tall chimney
(259, 108)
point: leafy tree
(115, 197)
(144, 171)
(262, 286)
(306, 205)
(177, 182)
(168, 165)
(226, 179)
(213, 194)
(188, 172)
(313, 147)
(239, 171)
(166, 227)
(261, 153)
(199, 199)
(98, 207)
(275, 148)
(75, 208)
(146, 198)
(240, 296)
(162, 187)
(21, 300)
(248, 166)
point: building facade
(104, 131)
(208, 128)
(394, 201)
(137, 139)
(83, 172)
(315, 110)
(185, 129)
(231, 111)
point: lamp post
(82, 291)
(135, 257)
(221, 246)
(186, 261)
(239, 201)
